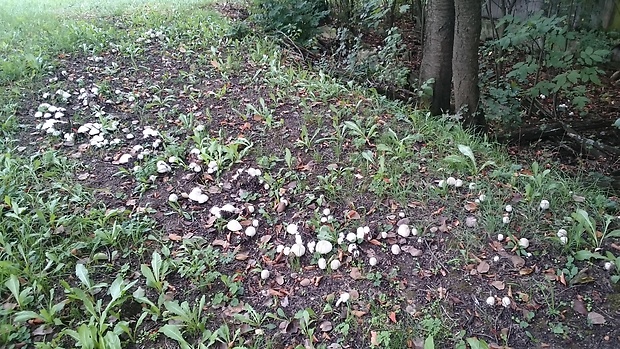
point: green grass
(127, 281)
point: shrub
(298, 19)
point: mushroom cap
(233, 225)
(323, 247)
(298, 250)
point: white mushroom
(163, 167)
(395, 249)
(250, 231)
(451, 181)
(292, 228)
(264, 274)
(360, 233)
(544, 204)
(298, 250)
(173, 197)
(351, 237)
(233, 225)
(523, 242)
(490, 301)
(323, 247)
(335, 264)
(506, 301)
(197, 196)
(343, 298)
(404, 230)
(372, 261)
(124, 158)
(322, 263)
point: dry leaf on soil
(483, 267)
(595, 318)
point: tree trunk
(465, 62)
(437, 53)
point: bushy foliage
(298, 19)
(548, 60)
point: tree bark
(465, 62)
(437, 53)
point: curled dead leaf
(352, 214)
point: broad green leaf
(82, 273)
(429, 343)
(476, 343)
(173, 332)
(584, 255)
(156, 265)
(466, 150)
(26, 315)
(148, 274)
(112, 341)
(13, 285)
(175, 308)
(116, 288)
(613, 234)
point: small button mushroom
(264, 274)
(451, 181)
(298, 250)
(523, 242)
(500, 237)
(544, 205)
(343, 298)
(372, 261)
(351, 237)
(505, 219)
(233, 225)
(173, 197)
(322, 263)
(335, 264)
(360, 233)
(395, 249)
(506, 301)
(490, 301)
(508, 208)
(404, 230)
(292, 228)
(250, 231)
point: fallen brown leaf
(579, 307)
(175, 237)
(483, 267)
(517, 261)
(356, 274)
(595, 318)
(498, 285)
(412, 250)
(222, 243)
(392, 316)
